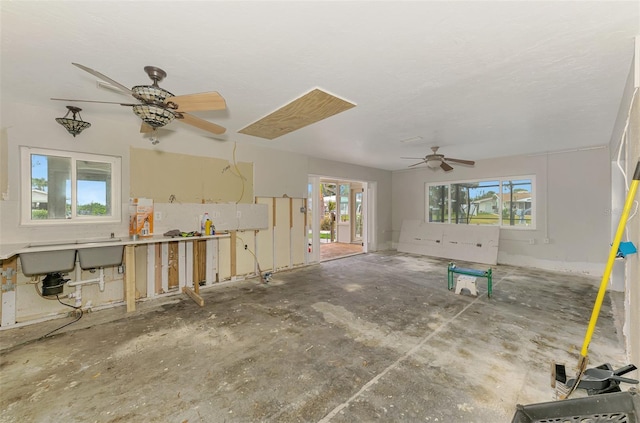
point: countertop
(9, 250)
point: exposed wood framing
(194, 295)
(211, 261)
(173, 265)
(274, 212)
(130, 277)
(290, 213)
(151, 270)
(199, 261)
(165, 267)
(233, 253)
(8, 292)
(158, 268)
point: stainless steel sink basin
(49, 257)
(94, 257)
(43, 262)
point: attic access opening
(312, 107)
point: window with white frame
(61, 187)
(505, 202)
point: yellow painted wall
(190, 179)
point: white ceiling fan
(435, 160)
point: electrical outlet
(532, 241)
(158, 216)
(238, 214)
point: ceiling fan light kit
(72, 125)
(150, 93)
(435, 161)
(433, 164)
(158, 107)
(154, 115)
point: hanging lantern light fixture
(72, 125)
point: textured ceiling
(480, 79)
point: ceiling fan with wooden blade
(158, 107)
(435, 160)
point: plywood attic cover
(312, 107)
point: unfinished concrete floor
(372, 337)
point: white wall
(572, 199)
(625, 146)
(276, 173)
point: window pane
(93, 188)
(461, 203)
(517, 199)
(50, 187)
(358, 211)
(438, 203)
(484, 203)
(63, 187)
(344, 202)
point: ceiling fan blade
(146, 129)
(413, 158)
(467, 162)
(93, 101)
(198, 102)
(103, 77)
(445, 167)
(416, 164)
(220, 138)
(202, 124)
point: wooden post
(158, 268)
(199, 261)
(274, 211)
(8, 292)
(290, 213)
(233, 253)
(130, 277)
(194, 296)
(173, 265)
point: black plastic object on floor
(619, 407)
(597, 380)
(604, 379)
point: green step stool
(452, 270)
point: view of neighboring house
(519, 201)
(39, 199)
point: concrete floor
(372, 337)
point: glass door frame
(313, 222)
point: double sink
(61, 257)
